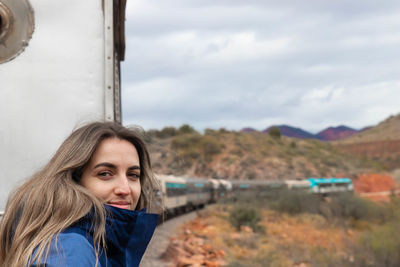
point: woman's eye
(104, 174)
(134, 175)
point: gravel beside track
(161, 239)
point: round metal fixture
(5, 19)
(16, 27)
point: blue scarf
(127, 235)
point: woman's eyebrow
(105, 164)
(136, 167)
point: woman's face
(113, 173)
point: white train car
(220, 189)
(59, 68)
(173, 191)
(199, 192)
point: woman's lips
(121, 205)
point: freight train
(181, 194)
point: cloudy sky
(242, 63)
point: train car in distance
(181, 194)
(173, 193)
(220, 189)
(330, 185)
(245, 185)
(198, 192)
(303, 185)
(311, 185)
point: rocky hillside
(380, 143)
(252, 155)
(387, 130)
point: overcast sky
(242, 63)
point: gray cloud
(255, 63)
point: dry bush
(245, 216)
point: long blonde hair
(52, 199)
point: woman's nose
(122, 186)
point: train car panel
(173, 192)
(199, 192)
(330, 185)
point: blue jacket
(127, 236)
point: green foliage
(210, 147)
(263, 258)
(210, 132)
(258, 155)
(341, 207)
(293, 145)
(275, 132)
(195, 146)
(245, 216)
(381, 246)
(186, 129)
(186, 142)
(166, 132)
(348, 206)
(294, 202)
(223, 130)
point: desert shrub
(275, 132)
(341, 206)
(210, 147)
(262, 259)
(293, 145)
(166, 132)
(196, 146)
(186, 129)
(223, 130)
(248, 241)
(186, 141)
(322, 258)
(379, 247)
(149, 136)
(350, 206)
(294, 202)
(245, 216)
(210, 132)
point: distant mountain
(248, 130)
(336, 133)
(290, 131)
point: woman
(84, 208)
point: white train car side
(59, 68)
(173, 193)
(199, 192)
